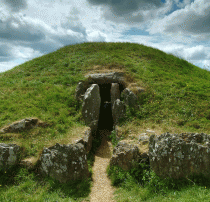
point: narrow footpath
(102, 191)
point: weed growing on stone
(20, 185)
(142, 184)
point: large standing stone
(9, 155)
(118, 111)
(181, 155)
(91, 104)
(129, 97)
(115, 92)
(64, 162)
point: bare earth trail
(102, 191)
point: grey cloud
(14, 29)
(44, 47)
(73, 23)
(192, 23)
(123, 7)
(200, 55)
(15, 5)
(67, 39)
(5, 53)
(190, 20)
(76, 28)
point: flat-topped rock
(64, 162)
(101, 78)
(175, 156)
(23, 124)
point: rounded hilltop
(173, 95)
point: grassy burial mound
(175, 99)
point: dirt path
(102, 191)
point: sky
(32, 28)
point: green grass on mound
(176, 97)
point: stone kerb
(175, 156)
(125, 156)
(64, 162)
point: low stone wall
(61, 162)
(127, 155)
(64, 162)
(175, 156)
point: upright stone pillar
(118, 111)
(115, 92)
(91, 104)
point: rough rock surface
(173, 155)
(144, 138)
(80, 91)
(27, 123)
(115, 92)
(91, 104)
(9, 155)
(64, 162)
(125, 156)
(129, 97)
(86, 140)
(118, 111)
(114, 77)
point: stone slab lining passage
(91, 104)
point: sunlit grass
(176, 99)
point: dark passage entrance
(105, 116)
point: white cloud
(40, 27)
(193, 19)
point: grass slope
(176, 98)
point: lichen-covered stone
(86, 140)
(9, 156)
(115, 92)
(118, 111)
(125, 156)
(23, 124)
(175, 156)
(144, 138)
(129, 97)
(102, 78)
(80, 90)
(91, 104)
(64, 162)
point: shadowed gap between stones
(105, 116)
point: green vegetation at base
(21, 185)
(142, 184)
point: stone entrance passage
(101, 94)
(105, 116)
